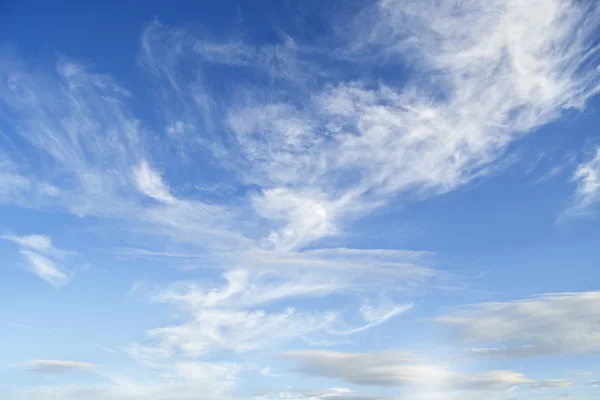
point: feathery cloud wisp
(587, 194)
(42, 258)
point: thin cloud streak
(57, 366)
(43, 259)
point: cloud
(550, 324)
(266, 371)
(210, 331)
(327, 157)
(34, 242)
(238, 315)
(333, 153)
(45, 268)
(382, 312)
(269, 277)
(375, 316)
(243, 289)
(183, 380)
(77, 125)
(15, 187)
(123, 389)
(587, 179)
(57, 366)
(42, 258)
(221, 375)
(551, 384)
(332, 393)
(403, 370)
(309, 150)
(353, 145)
(11, 182)
(151, 184)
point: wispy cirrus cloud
(238, 315)
(77, 124)
(43, 259)
(376, 141)
(587, 193)
(211, 331)
(308, 150)
(335, 152)
(18, 188)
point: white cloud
(210, 331)
(16, 187)
(362, 268)
(221, 375)
(377, 315)
(232, 316)
(383, 312)
(244, 289)
(306, 165)
(77, 124)
(270, 277)
(332, 393)
(34, 242)
(45, 268)
(495, 77)
(551, 324)
(11, 183)
(175, 380)
(151, 184)
(587, 178)
(42, 258)
(336, 151)
(57, 366)
(266, 371)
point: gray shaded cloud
(562, 323)
(57, 366)
(402, 370)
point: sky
(300, 200)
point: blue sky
(393, 199)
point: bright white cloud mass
(300, 200)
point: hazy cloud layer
(404, 370)
(551, 324)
